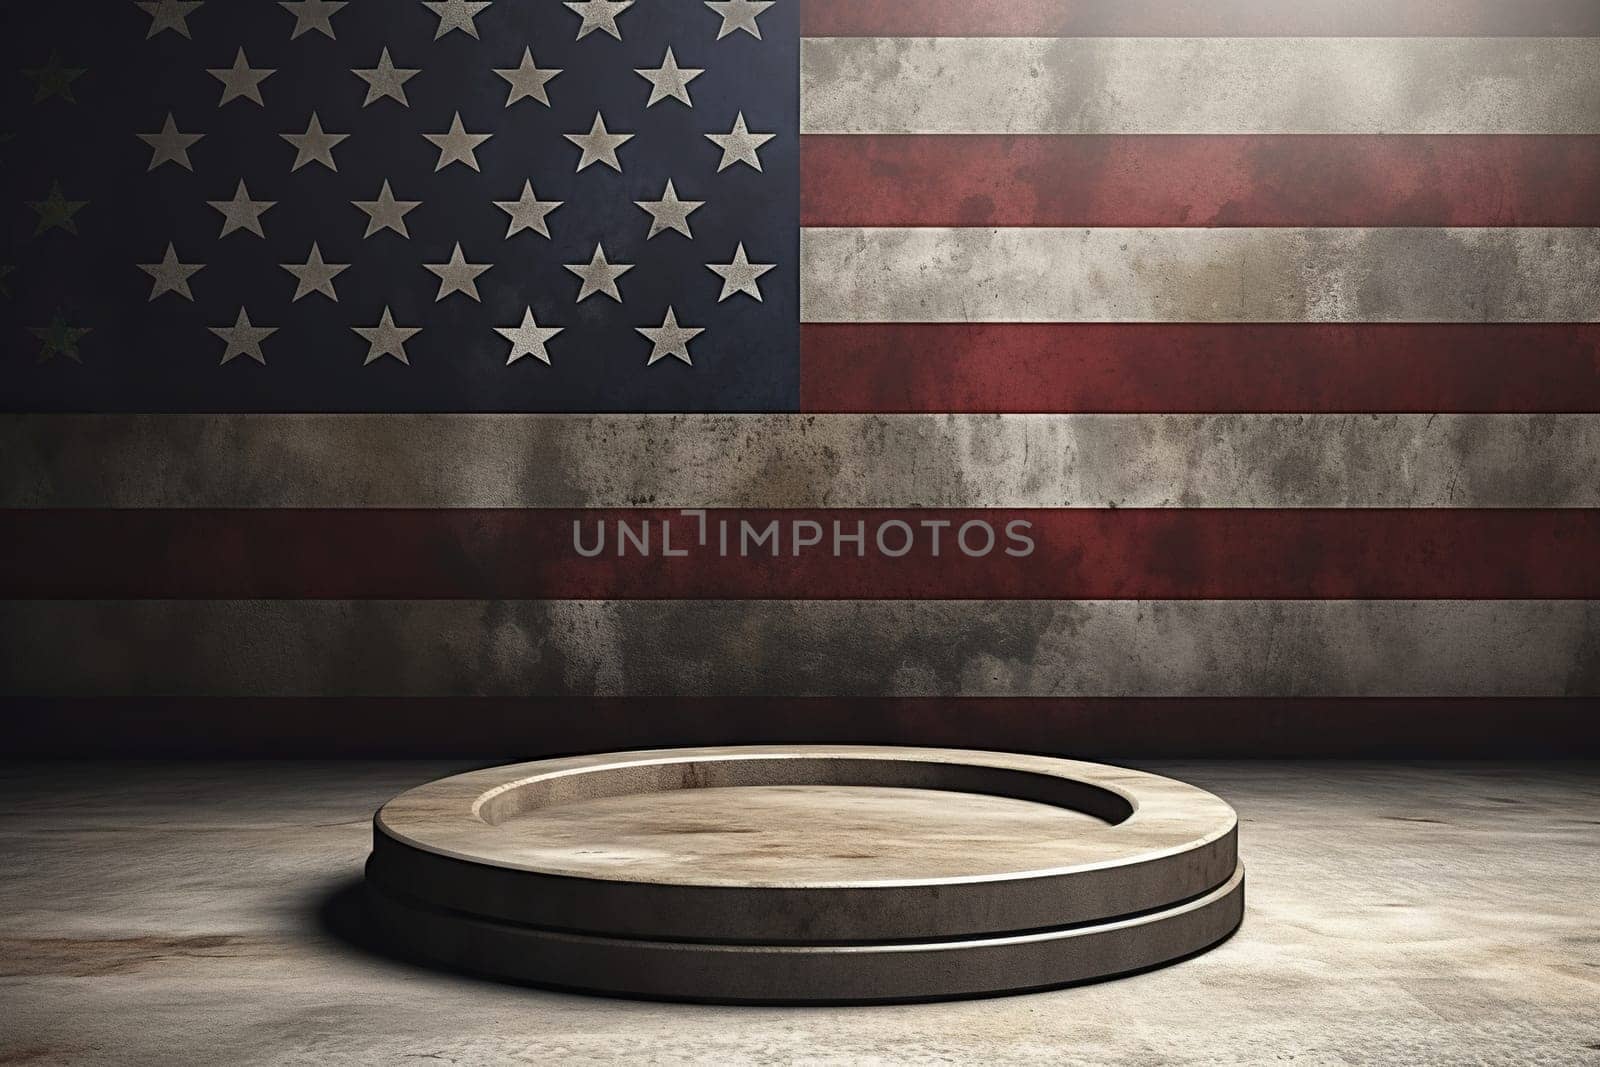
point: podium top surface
(806, 817)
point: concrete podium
(805, 873)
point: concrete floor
(210, 913)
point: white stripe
(459, 461)
(1224, 274)
(803, 648)
(1200, 85)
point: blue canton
(472, 307)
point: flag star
(528, 339)
(312, 15)
(458, 276)
(456, 145)
(59, 339)
(740, 276)
(385, 79)
(387, 339)
(170, 275)
(599, 276)
(170, 146)
(739, 145)
(528, 211)
(241, 80)
(314, 146)
(55, 211)
(315, 275)
(599, 15)
(53, 79)
(739, 15)
(242, 213)
(456, 15)
(527, 80)
(243, 338)
(669, 79)
(169, 15)
(599, 144)
(670, 213)
(387, 213)
(670, 339)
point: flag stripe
(1196, 18)
(939, 274)
(1138, 85)
(1200, 367)
(802, 647)
(532, 727)
(1162, 554)
(1199, 180)
(798, 461)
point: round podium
(784, 874)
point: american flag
(1077, 375)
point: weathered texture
(1165, 274)
(1276, 367)
(206, 914)
(499, 729)
(693, 461)
(1195, 648)
(1192, 18)
(1075, 554)
(1200, 180)
(1200, 85)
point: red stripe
(1198, 18)
(529, 729)
(1200, 180)
(1200, 367)
(1078, 554)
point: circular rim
(814, 974)
(1176, 842)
